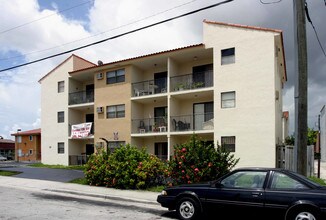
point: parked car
(2, 158)
(249, 192)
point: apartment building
(28, 145)
(227, 90)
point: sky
(34, 29)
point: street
(34, 204)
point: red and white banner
(81, 130)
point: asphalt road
(58, 175)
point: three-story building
(227, 90)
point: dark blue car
(263, 193)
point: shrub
(126, 168)
(197, 161)
(95, 168)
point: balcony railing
(194, 122)
(149, 125)
(192, 81)
(149, 87)
(81, 97)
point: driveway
(58, 175)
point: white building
(227, 90)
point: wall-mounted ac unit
(99, 110)
(99, 76)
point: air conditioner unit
(99, 76)
(99, 109)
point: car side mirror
(219, 185)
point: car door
(283, 190)
(243, 191)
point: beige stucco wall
(113, 94)
(252, 77)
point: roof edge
(139, 57)
(243, 26)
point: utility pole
(300, 94)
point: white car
(2, 158)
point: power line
(313, 26)
(30, 22)
(119, 35)
(142, 19)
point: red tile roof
(30, 132)
(138, 57)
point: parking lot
(59, 175)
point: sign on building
(82, 130)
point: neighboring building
(28, 145)
(227, 90)
(322, 125)
(7, 148)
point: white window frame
(228, 99)
(116, 111)
(61, 86)
(116, 76)
(61, 117)
(228, 56)
(228, 142)
(61, 147)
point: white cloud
(20, 94)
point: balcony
(149, 125)
(149, 87)
(192, 81)
(196, 122)
(81, 97)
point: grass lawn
(71, 167)
(8, 173)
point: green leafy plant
(126, 168)
(197, 161)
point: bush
(197, 161)
(126, 168)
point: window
(61, 148)
(116, 111)
(30, 152)
(203, 115)
(61, 117)
(161, 150)
(228, 99)
(283, 181)
(245, 179)
(227, 56)
(31, 138)
(115, 76)
(61, 86)
(112, 145)
(19, 139)
(228, 143)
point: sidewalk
(80, 190)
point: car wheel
(304, 214)
(188, 208)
